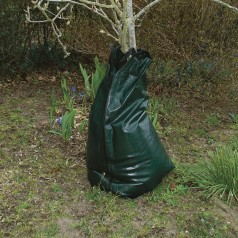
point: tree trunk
(127, 34)
(131, 25)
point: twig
(92, 3)
(145, 9)
(226, 5)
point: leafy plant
(52, 107)
(219, 175)
(67, 123)
(160, 106)
(70, 104)
(82, 126)
(92, 82)
(153, 112)
(64, 124)
(86, 78)
(65, 91)
(69, 95)
(98, 76)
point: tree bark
(127, 35)
(131, 25)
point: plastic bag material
(124, 153)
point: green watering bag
(124, 153)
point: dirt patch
(68, 228)
(222, 135)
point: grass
(159, 108)
(44, 187)
(234, 117)
(212, 120)
(219, 175)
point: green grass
(234, 142)
(212, 120)
(219, 175)
(234, 117)
(48, 231)
(161, 108)
(201, 132)
(207, 226)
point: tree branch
(52, 17)
(56, 30)
(122, 19)
(101, 13)
(226, 5)
(58, 34)
(92, 3)
(145, 9)
(116, 7)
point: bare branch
(118, 24)
(108, 34)
(58, 34)
(145, 9)
(28, 17)
(51, 17)
(226, 5)
(56, 30)
(91, 3)
(60, 11)
(102, 13)
(122, 18)
(116, 7)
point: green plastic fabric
(124, 153)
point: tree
(118, 13)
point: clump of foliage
(219, 175)
(153, 112)
(73, 101)
(64, 124)
(67, 124)
(92, 82)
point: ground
(44, 191)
